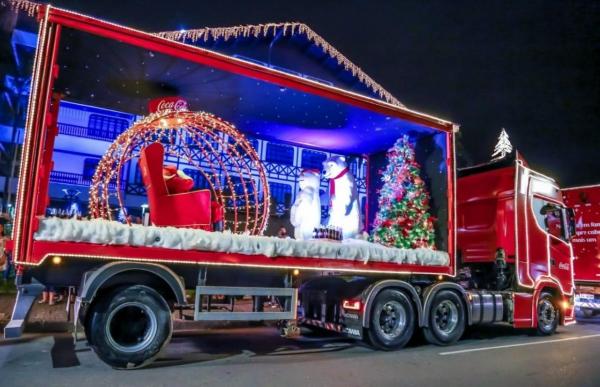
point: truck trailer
(500, 250)
(585, 201)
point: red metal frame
(451, 168)
(38, 119)
(43, 250)
(30, 252)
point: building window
(313, 159)
(252, 141)
(89, 168)
(202, 141)
(137, 174)
(240, 196)
(106, 127)
(281, 194)
(354, 163)
(280, 154)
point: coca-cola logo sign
(167, 104)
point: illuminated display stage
(113, 75)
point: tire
(548, 315)
(446, 320)
(129, 327)
(392, 322)
(87, 328)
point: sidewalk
(41, 317)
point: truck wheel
(547, 315)
(446, 322)
(130, 326)
(392, 321)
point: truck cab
(514, 230)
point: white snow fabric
(114, 233)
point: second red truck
(585, 201)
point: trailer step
(289, 294)
(14, 329)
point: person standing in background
(4, 259)
(3, 266)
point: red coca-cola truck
(585, 201)
(501, 245)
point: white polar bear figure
(344, 210)
(305, 214)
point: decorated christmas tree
(402, 219)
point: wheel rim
(392, 320)
(546, 314)
(446, 317)
(131, 326)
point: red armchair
(192, 209)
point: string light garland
(213, 147)
(286, 29)
(402, 219)
(258, 30)
(29, 7)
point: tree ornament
(503, 146)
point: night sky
(532, 67)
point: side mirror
(571, 223)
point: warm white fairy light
(29, 7)
(40, 55)
(271, 265)
(288, 28)
(206, 132)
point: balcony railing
(76, 179)
(85, 132)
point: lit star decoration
(403, 219)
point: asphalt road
(489, 356)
